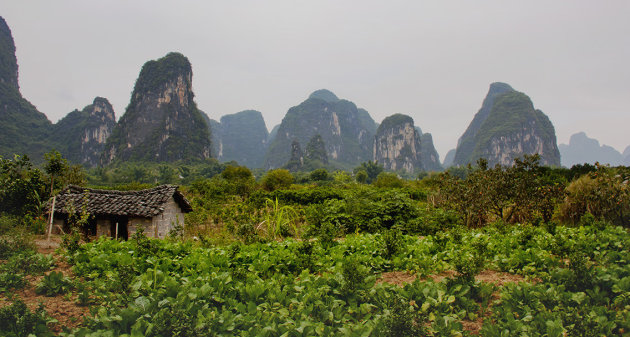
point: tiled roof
(145, 203)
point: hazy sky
(432, 60)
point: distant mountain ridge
(583, 149)
(162, 124)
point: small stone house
(121, 213)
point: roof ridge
(81, 189)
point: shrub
(388, 180)
(240, 180)
(9, 280)
(28, 263)
(605, 194)
(404, 319)
(319, 175)
(354, 277)
(431, 221)
(53, 284)
(16, 241)
(277, 179)
(71, 242)
(361, 176)
(392, 242)
(17, 320)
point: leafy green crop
(53, 284)
(157, 287)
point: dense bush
(521, 193)
(15, 242)
(17, 320)
(367, 210)
(388, 180)
(604, 194)
(277, 179)
(307, 196)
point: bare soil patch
(47, 247)
(63, 308)
(399, 278)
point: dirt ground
(63, 308)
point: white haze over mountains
(432, 60)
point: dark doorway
(121, 222)
(90, 227)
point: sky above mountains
(432, 60)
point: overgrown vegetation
(270, 253)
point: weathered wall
(145, 223)
(104, 227)
(166, 221)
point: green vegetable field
(576, 281)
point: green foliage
(392, 242)
(431, 220)
(22, 187)
(319, 175)
(240, 179)
(54, 283)
(520, 193)
(298, 287)
(371, 169)
(15, 242)
(388, 180)
(277, 179)
(71, 242)
(28, 262)
(55, 164)
(366, 211)
(605, 194)
(17, 320)
(356, 279)
(404, 319)
(279, 219)
(11, 280)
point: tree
(372, 169)
(388, 180)
(55, 166)
(604, 193)
(240, 179)
(520, 193)
(22, 187)
(166, 174)
(361, 176)
(277, 179)
(319, 175)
